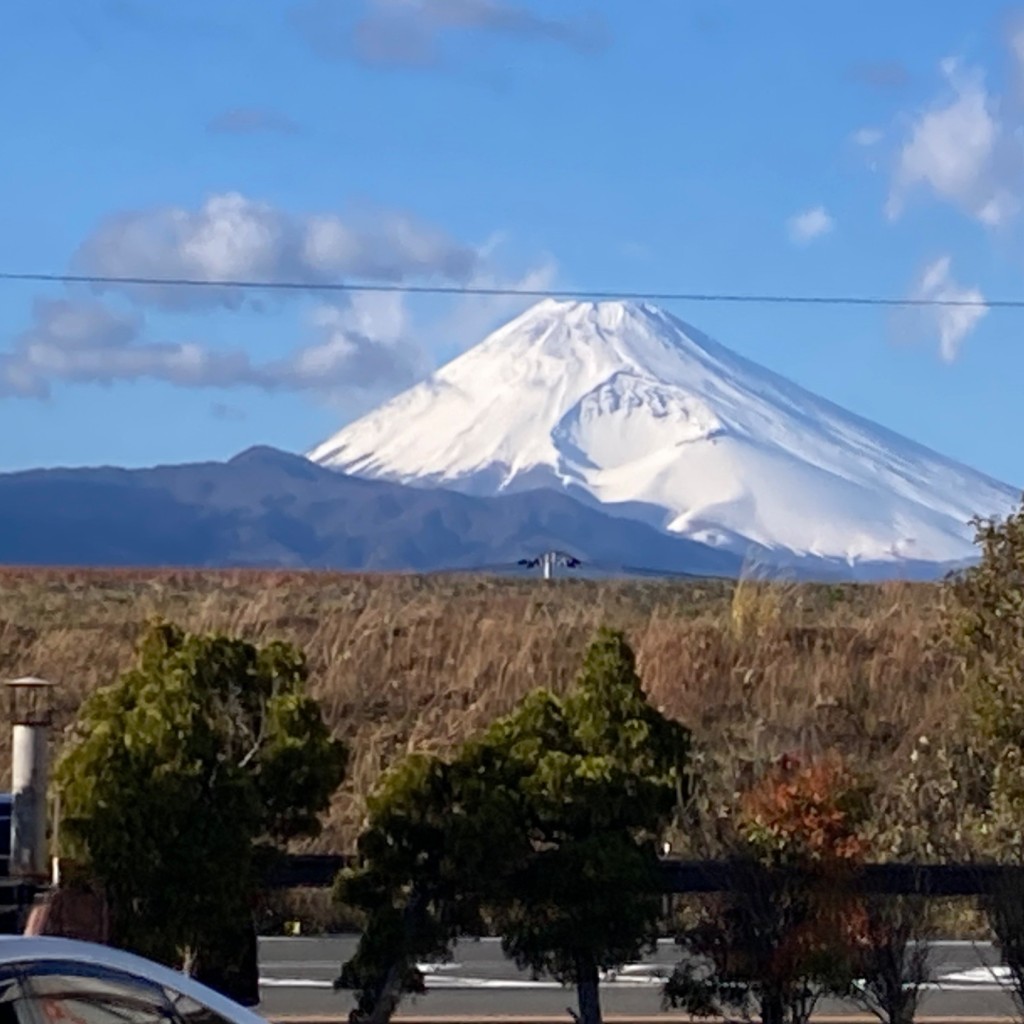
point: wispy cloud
(358, 345)
(233, 237)
(810, 224)
(87, 342)
(867, 137)
(350, 344)
(251, 121)
(409, 33)
(952, 323)
(362, 344)
(962, 151)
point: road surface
(296, 976)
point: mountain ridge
(267, 508)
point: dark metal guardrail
(308, 871)
(682, 876)
(300, 871)
(883, 879)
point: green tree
(180, 781)
(429, 848)
(602, 774)
(986, 622)
(547, 824)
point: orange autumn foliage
(805, 816)
(802, 813)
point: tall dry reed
(406, 662)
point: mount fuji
(628, 409)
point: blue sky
(660, 145)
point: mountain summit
(624, 405)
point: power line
(525, 293)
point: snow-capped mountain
(625, 405)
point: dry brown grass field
(409, 662)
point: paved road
(296, 976)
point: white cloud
(364, 342)
(1013, 33)
(234, 237)
(86, 342)
(380, 315)
(813, 223)
(867, 137)
(962, 152)
(952, 323)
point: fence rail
(684, 876)
(302, 871)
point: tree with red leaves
(791, 930)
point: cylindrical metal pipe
(29, 853)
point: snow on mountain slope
(626, 405)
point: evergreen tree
(547, 824)
(181, 780)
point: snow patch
(626, 414)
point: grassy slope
(420, 662)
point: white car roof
(15, 949)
